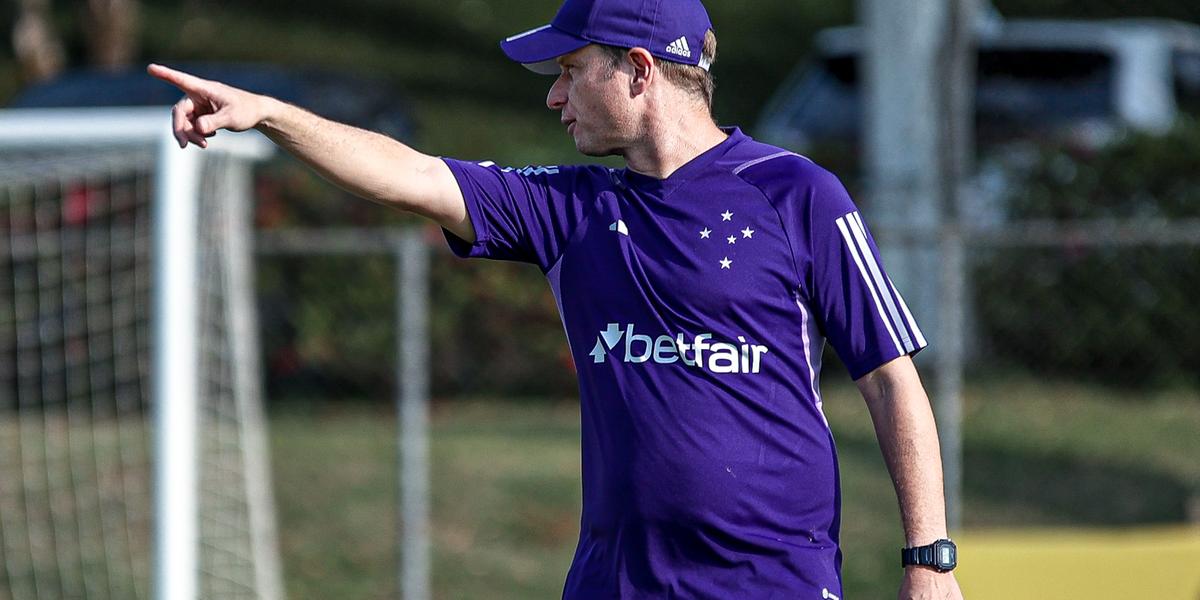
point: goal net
(132, 449)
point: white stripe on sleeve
(912, 323)
(853, 248)
(860, 235)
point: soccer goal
(132, 441)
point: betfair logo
(700, 351)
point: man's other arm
(908, 438)
(367, 164)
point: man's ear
(643, 70)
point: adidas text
(680, 47)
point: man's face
(593, 97)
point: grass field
(506, 484)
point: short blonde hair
(690, 78)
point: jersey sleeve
(857, 305)
(841, 276)
(524, 215)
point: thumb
(209, 124)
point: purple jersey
(696, 308)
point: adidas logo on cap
(680, 47)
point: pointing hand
(208, 106)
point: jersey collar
(663, 187)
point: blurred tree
(1124, 315)
(36, 44)
(111, 28)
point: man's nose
(556, 99)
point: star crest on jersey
(729, 234)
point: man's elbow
(889, 381)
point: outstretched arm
(367, 164)
(908, 438)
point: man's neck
(672, 142)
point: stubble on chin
(595, 150)
(599, 153)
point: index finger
(179, 79)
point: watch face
(945, 554)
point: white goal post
(103, 218)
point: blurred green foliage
(1120, 314)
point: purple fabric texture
(696, 308)
(669, 29)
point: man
(697, 287)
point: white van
(1083, 79)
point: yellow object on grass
(1156, 563)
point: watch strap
(921, 555)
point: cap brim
(537, 48)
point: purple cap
(669, 29)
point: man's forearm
(907, 434)
(365, 163)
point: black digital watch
(941, 555)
